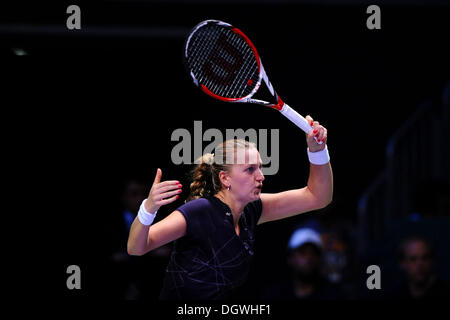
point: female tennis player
(214, 230)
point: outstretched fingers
(162, 193)
(167, 201)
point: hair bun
(208, 158)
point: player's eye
(253, 168)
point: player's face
(246, 177)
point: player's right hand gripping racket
(224, 63)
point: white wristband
(146, 218)
(319, 157)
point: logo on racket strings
(213, 72)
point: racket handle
(297, 119)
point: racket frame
(286, 110)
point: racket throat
(279, 105)
(274, 96)
(267, 92)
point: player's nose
(260, 176)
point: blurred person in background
(416, 257)
(307, 280)
(128, 278)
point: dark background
(92, 108)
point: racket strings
(232, 63)
(238, 87)
(234, 89)
(228, 91)
(247, 68)
(201, 49)
(219, 69)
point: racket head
(222, 61)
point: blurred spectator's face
(417, 262)
(305, 259)
(133, 196)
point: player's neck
(236, 207)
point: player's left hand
(319, 131)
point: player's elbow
(323, 202)
(134, 251)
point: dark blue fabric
(211, 260)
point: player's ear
(224, 178)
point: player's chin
(256, 194)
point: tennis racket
(224, 63)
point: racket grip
(297, 119)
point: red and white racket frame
(285, 110)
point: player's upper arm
(286, 204)
(167, 230)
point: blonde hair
(205, 176)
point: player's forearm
(138, 239)
(320, 183)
